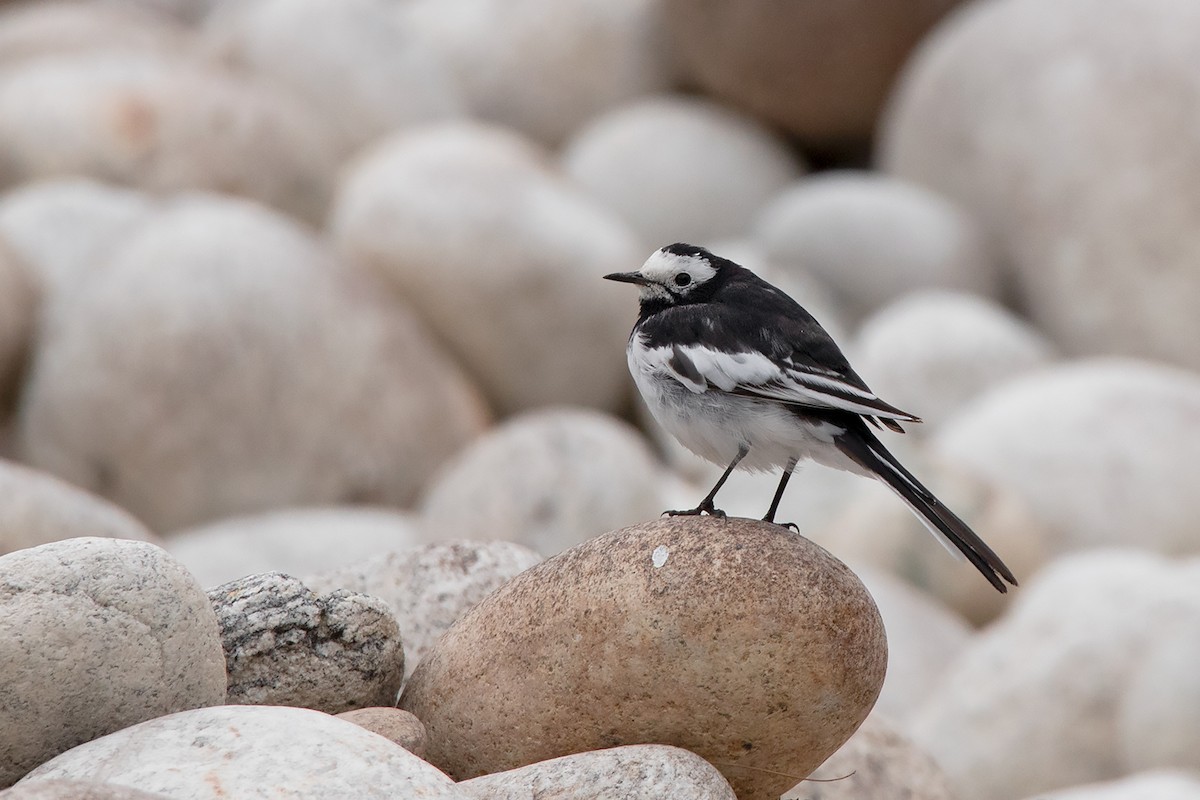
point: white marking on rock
(660, 555)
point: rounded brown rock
(391, 723)
(735, 639)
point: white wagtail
(742, 375)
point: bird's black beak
(627, 277)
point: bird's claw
(703, 508)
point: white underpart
(715, 425)
(757, 373)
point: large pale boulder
(679, 169)
(547, 480)
(1102, 452)
(253, 752)
(735, 639)
(1153, 785)
(1032, 704)
(1036, 116)
(162, 123)
(98, 215)
(632, 772)
(501, 257)
(31, 30)
(37, 508)
(544, 67)
(224, 362)
(97, 635)
(819, 70)
(876, 763)
(297, 541)
(1161, 703)
(352, 60)
(931, 352)
(872, 238)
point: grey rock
(878, 763)
(37, 30)
(931, 352)
(355, 61)
(296, 541)
(38, 508)
(99, 216)
(680, 169)
(548, 480)
(375, 409)
(97, 635)
(76, 790)
(287, 646)
(470, 225)
(1011, 108)
(633, 772)
(163, 122)
(431, 586)
(872, 238)
(1153, 785)
(396, 724)
(1061, 657)
(544, 67)
(1101, 451)
(253, 753)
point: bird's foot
(791, 526)
(704, 508)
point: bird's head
(675, 274)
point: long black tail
(868, 452)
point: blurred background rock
(314, 286)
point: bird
(744, 377)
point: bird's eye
(683, 279)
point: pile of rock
(320, 470)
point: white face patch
(664, 268)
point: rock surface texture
(430, 586)
(252, 752)
(472, 227)
(235, 333)
(37, 508)
(1101, 451)
(1020, 109)
(633, 772)
(877, 763)
(547, 480)
(734, 639)
(97, 635)
(287, 646)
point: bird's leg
(706, 505)
(783, 482)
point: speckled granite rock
(633, 772)
(96, 635)
(253, 752)
(287, 646)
